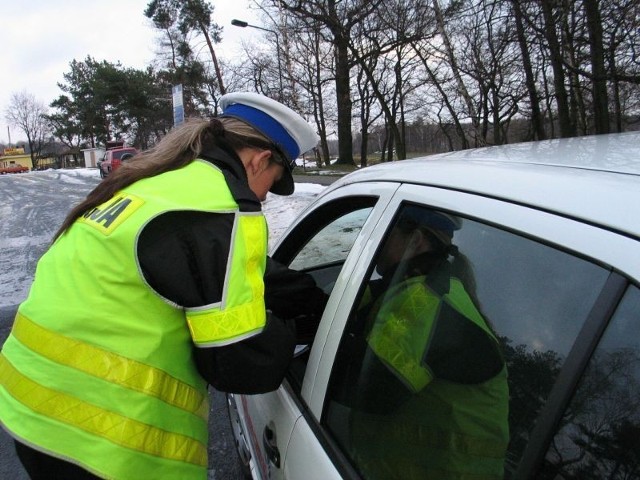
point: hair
(178, 148)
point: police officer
(152, 289)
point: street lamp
(242, 24)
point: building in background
(14, 160)
(92, 156)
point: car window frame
(284, 249)
(607, 343)
(569, 377)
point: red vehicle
(113, 158)
(13, 168)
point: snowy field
(34, 205)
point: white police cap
(285, 128)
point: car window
(332, 243)
(123, 154)
(452, 347)
(599, 434)
(319, 245)
(325, 237)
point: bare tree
(311, 66)
(382, 51)
(29, 115)
(337, 18)
(455, 69)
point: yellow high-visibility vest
(99, 369)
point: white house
(92, 156)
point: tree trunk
(343, 92)
(548, 104)
(385, 142)
(564, 119)
(390, 143)
(497, 133)
(401, 140)
(537, 122)
(364, 145)
(365, 116)
(216, 66)
(599, 79)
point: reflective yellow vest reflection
(446, 429)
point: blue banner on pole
(178, 107)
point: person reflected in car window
(429, 396)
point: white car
(540, 380)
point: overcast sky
(40, 38)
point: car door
(541, 282)
(325, 242)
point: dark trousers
(41, 466)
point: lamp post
(242, 24)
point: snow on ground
(35, 203)
(282, 211)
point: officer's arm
(295, 297)
(183, 256)
(255, 365)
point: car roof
(595, 179)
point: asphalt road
(299, 177)
(10, 467)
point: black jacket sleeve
(183, 257)
(255, 365)
(295, 297)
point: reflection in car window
(452, 348)
(599, 434)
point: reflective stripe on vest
(404, 324)
(97, 421)
(109, 366)
(241, 313)
(404, 310)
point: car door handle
(270, 446)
